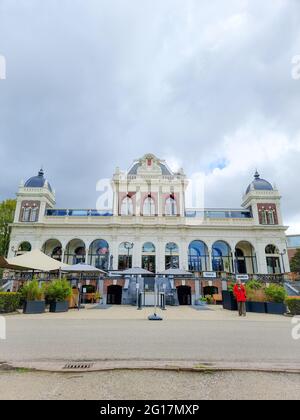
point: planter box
(275, 308)
(229, 301)
(59, 306)
(257, 307)
(34, 306)
(248, 307)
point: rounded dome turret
(259, 184)
(38, 181)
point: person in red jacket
(240, 294)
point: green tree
(7, 211)
(295, 262)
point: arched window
(222, 257)
(149, 207)
(264, 217)
(148, 257)
(271, 218)
(272, 249)
(99, 254)
(26, 214)
(273, 260)
(24, 247)
(198, 256)
(172, 256)
(125, 255)
(33, 214)
(127, 207)
(171, 207)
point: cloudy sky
(205, 84)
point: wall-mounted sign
(242, 277)
(210, 275)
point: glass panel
(148, 263)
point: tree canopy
(7, 211)
(295, 262)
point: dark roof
(38, 181)
(164, 169)
(259, 184)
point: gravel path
(120, 385)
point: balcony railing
(78, 213)
(219, 214)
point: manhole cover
(78, 365)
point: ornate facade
(149, 226)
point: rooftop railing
(190, 213)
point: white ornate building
(149, 226)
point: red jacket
(240, 293)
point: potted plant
(256, 297)
(33, 297)
(58, 293)
(202, 301)
(229, 301)
(276, 296)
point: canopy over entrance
(33, 260)
(82, 268)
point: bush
(58, 290)
(32, 291)
(255, 291)
(9, 302)
(275, 293)
(293, 303)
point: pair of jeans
(242, 308)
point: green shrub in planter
(275, 293)
(9, 302)
(58, 290)
(31, 291)
(293, 303)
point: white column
(261, 259)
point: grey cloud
(94, 84)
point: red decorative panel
(268, 208)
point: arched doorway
(53, 248)
(210, 290)
(245, 258)
(114, 295)
(75, 252)
(184, 295)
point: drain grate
(78, 366)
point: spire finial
(256, 175)
(41, 171)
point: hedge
(9, 302)
(293, 303)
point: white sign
(84, 289)
(210, 275)
(242, 277)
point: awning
(82, 268)
(33, 260)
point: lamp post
(128, 246)
(282, 260)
